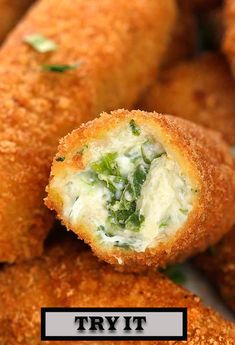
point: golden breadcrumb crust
(202, 156)
(70, 276)
(201, 90)
(218, 263)
(117, 46)
(11, 11)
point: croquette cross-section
(103, 54)
(143, 189)
(70, 276)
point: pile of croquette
(117, 146)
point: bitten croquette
(143, 189)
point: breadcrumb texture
(202, 156)
(117, 46)
(70, 276)
(218, 263)
(11, 11)
(201, 90)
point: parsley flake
(40, 43)
(59, 68)
(134, 128)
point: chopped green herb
(40, 43)
(212, 250)
(175, 274)
(122, 245)
(102, 229)
(134, 221)
(184, 211)
(59, 68)
(134, 128)
(139, 177)
(60, 159)
(124, 190)
(164, 222)
(149, 153)
(106, 165)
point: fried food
(218, 263)
(70, 276)
(201, 90)
(107, 53)
(11, 11)
(229, 34)
(143, 189)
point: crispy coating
(218, 263)
(117, 46)
(229, 34)
(11, 11)
(183, 40)
(202, 156)
(201, 90)
(69, 275)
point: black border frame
(44, 310)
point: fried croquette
(70, 276)
(143, 189)
(11, 11)
(102, 55)
(229, 33)
(218, 263)
(201, 90)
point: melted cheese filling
(165, 199)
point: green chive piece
(175, 274)
(165, 222)
(184, 211)
(106, 165)
(60, 159)
(59, 68)
(40, 43)
(134, 128)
